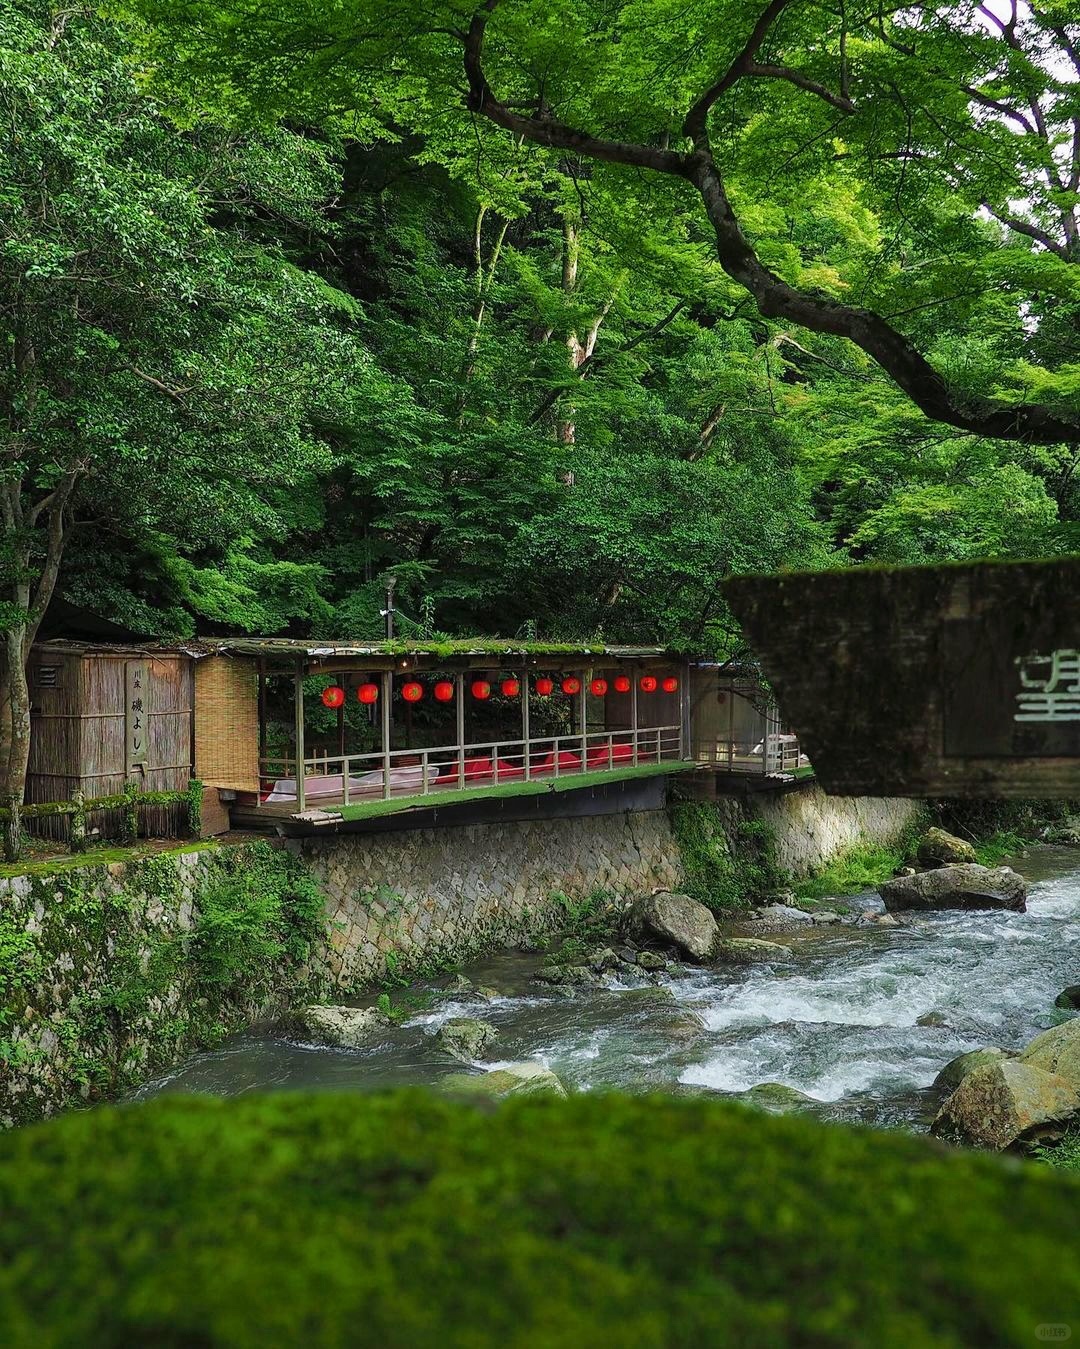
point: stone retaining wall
(415, 899)
(811, 828)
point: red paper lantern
(598, 688)
(670, 684)
(443, 691)
(481, 689)
(622, 683)
(545, 686)
(510, 688)
(334, 696)
(412, 692)
(648, 683)
(571, 685)
(368, 693)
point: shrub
(403, 1220)
(726, 866)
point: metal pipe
(387, 695)
(298, 722)
(459, 695)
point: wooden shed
(103, 716)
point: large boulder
(957, 1069)
(1001, 1103)
(513, 1079)
(965, 885)
(938, 848)
(336, 1027)
(465, 1038)
(777, 1098)
(1057, 1051)
(674, 920)
(781, 918)
(1069, 998)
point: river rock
(778, 1098)
(782, 917)
(1069, 998)
(335, 1027)
(568, 976)
(964, 885)
(652, 961)
(957, 1069)
(512, 1079)
(938, 848)
(675, 920)
(605, 958)
(1057, 1051)
(750, 950)
(1067, 832)
(465, 1038)
(1001, 1103)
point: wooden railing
(344, 779)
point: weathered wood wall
(905, 681)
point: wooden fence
(128, 803)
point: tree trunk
(12, 789)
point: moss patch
(726, 867)
(639, 1222)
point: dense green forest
(292, 302)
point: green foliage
(728, 865)
(863, 867)
(260, 913)
(595, 1220)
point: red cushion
(621, 751)
(567, 759)
(478, 768)
(542, 764)
(598, 757)
(510, 770)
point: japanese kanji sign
(136, 715)
(926, 681)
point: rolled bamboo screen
(227, 723)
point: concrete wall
(419, 898)
(811, 827)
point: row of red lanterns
(481, 689)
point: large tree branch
(1019, 226)
(775, 297)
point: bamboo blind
(227, 723)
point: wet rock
(782, 917)
(938, 848)
(749, 951)
(904, 871)
(1003, 1103)
(604, 959)
(459, 987)
(465, 1038)
(965, 885)
(675, 920)
(568, 976)
(1057, 1051)
(651, 961)
(778, 1098)
(1067, 832)
(488, 994)
(824, 917)
(932, 1019)
(957, 1069)
(512, 1079)
(337, 1027)
(1069, 998)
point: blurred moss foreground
(403, 1220)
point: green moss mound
(403, 1220)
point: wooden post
(298, 715)
(634, 715)
(583, 715)
(387, 695)
(459, 698)
(685, 747)
(731, 726)
(525, 749)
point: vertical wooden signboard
(136, 716)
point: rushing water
(839, 1022)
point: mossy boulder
(778, 1098)
(965, 885)
(1069, 998)
(651, 961)
(1005, 1102)
(568, 976)
(408, 1220)
(957, 1069)
(1057, 1051)
(677, 921)
(513, 1079)
(336, 1027)
(938, 847)
(465, 1038)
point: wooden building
(295, 735)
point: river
(839, 1022)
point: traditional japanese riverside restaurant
(297, 735)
